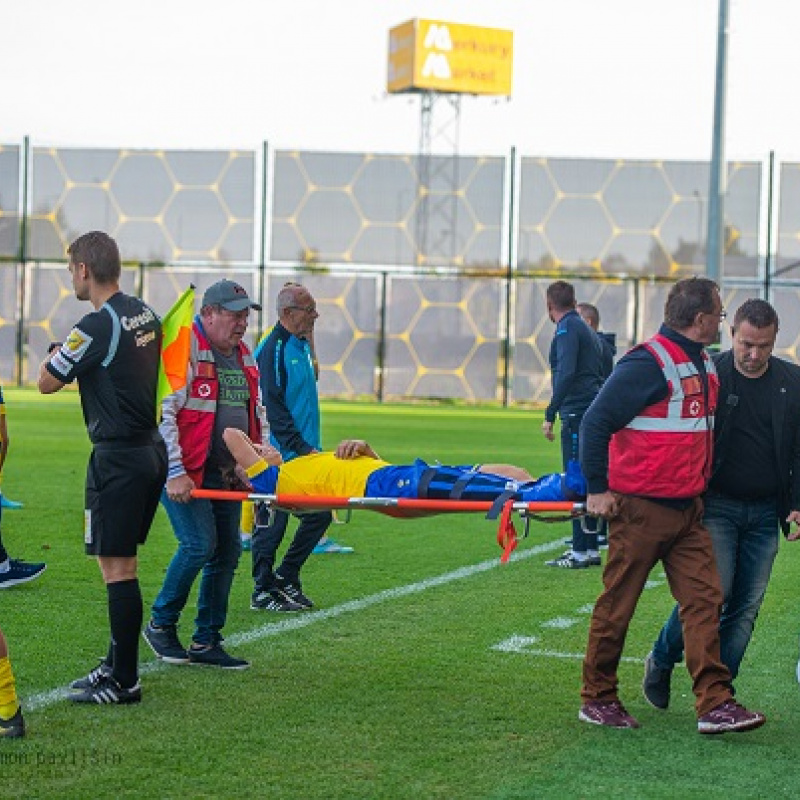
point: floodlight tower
(439, 126)
(715, 251)
(441, 62)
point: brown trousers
(641, 535)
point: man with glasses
(222, 391)
(749, 500)
(289, 372)
(646, 449)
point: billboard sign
(430, 55)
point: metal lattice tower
(436, 219)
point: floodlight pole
(716, 192)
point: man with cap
(221, 391)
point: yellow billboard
(430, 55)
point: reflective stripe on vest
(665, 451)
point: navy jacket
(608, 346)
(576, 365)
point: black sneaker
(93, 678)
(13, 727)
(20, 572)
(294, 592)
(656, 684)
(108, 692)
(273, 601)
(215, 656)
(165, 644)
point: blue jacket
(289, 391)
(576, 364)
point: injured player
(356, 470)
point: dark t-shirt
(114, 353)
(753, 475)
(232, 409)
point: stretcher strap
(500, 503)
(506, 532)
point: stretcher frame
(411, 508)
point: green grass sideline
(403, 699)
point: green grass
(399, 694)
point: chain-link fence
(426, 289)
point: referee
(114, 352)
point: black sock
(125, 613)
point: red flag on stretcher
(176, 334)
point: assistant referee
(114, 353)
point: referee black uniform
(114, 353)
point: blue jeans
(582, 540)
(208, 539)
(745, 535)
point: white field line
(522, 644)
(305, 619)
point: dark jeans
(745, 536)
(643, 534)
(267, 539)
(581, 540)
(208, 540)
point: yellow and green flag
(176, 333)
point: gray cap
(229, 295)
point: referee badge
(76, 344)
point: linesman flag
(176, 333)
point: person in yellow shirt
(354, 469)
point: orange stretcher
(410, 508)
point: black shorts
(123, 488)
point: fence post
(381, 350)
(512, 250)
(23, 260)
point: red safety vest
(196, 419)
(666, 450)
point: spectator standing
(608, 341)
(221, 392)
(114, 352)
(289, 374)
(646, 454)
(575, 364)
(749, 500)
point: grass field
(427, 671)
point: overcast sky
(617, 78)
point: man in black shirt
(114, 353)
(754, 489)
